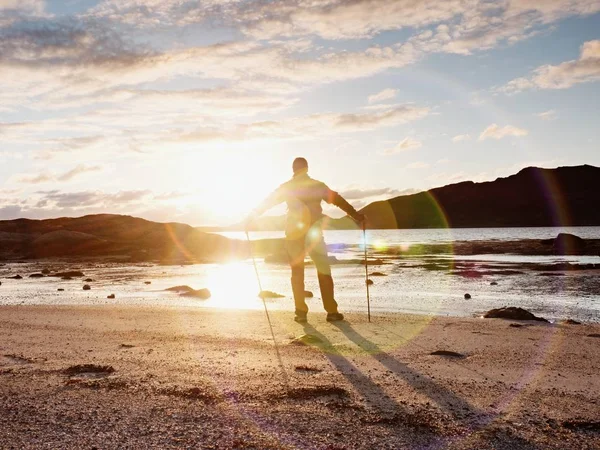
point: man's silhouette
(304, 233)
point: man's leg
(296, 252)
(318, 253)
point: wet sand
(115, 376)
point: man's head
(300, 165)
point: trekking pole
(364, 224)
(285, 378)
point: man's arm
(274, 199)
(339, 201)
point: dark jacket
(303, 196)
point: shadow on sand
(465, 417)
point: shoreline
(555, 289)
(274, 248)
(199, 377)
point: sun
(228, 185)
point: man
(303, 232)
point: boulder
(277, 258)
(88, 369)
(60, 290)
(568, 244)
(202, 294)
(467, 296)
(513, 313)
(88, 280)
(306, 339)
(494, 283)
(86, 287)
(46, 271)
(372, 262)
(147, 282)
(71, 273)
(269, 294)
(111, 296)
(16, 277)
(36, 275)
(447, 353)
(180, 289)
(370, 282)
(378, 274)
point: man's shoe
(300, 318)
(334, 317)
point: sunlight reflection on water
(233, 286)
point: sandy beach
(132, 377)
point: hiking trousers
(313, 244)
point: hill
(534, 197)
(107, 235)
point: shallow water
(423, 285)
(434, 236)
(408, 287)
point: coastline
(202, 377)
(557, 288)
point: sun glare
(232, 191)
(233, 286)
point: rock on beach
(513, 313)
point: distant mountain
(533, 197)
(107, 235)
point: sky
(192, 111)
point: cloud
(547, 115)
(300, 127)
(496, 132)
(386, 94)
(583, 70)
(472, 24)
(331, 19)
(52, 147)
(485, 25)
(444, 178)
(418, 165)
(405, 144)
(35, 179)
(461, 137)
(70, 63)
(87, 199)
(46, 177)
(142, 203)
(68, 60)
(358, 193)
(173, 195)
(80, 169)
(399, 114)
(22, 5)
(15, 10)
(67, 41)
(10, 212)
(153, 13)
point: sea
(404, 286)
